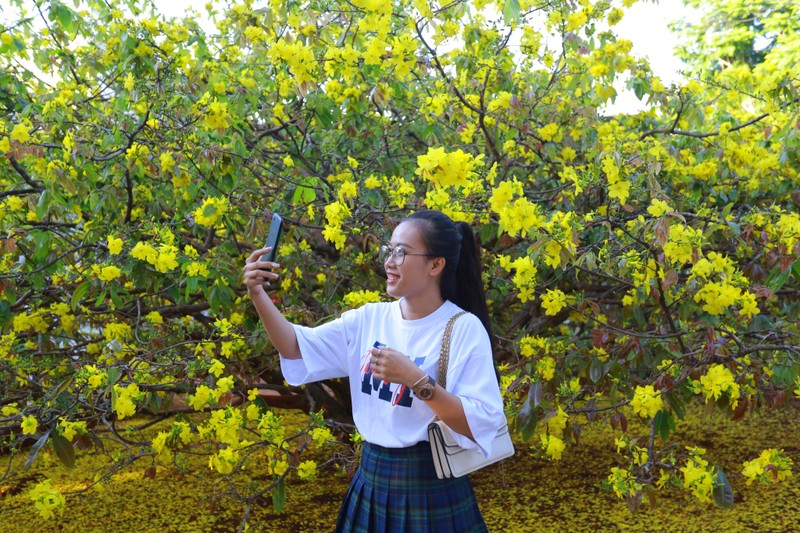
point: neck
(416, 308)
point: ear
(438, 266)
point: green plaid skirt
(395, 490)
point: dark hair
(461, 283)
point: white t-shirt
(385, 413)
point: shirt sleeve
(471, 376)
(325, 351)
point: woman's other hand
(395, 367)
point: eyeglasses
(397, 254)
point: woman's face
(417, 274)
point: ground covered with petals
(524, 494)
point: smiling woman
(389, 352)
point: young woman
(390, 352)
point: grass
(522, 494)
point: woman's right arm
(280, 331)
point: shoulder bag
(450, 459)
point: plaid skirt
(395, 490)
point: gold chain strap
(444, 355)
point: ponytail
(462, 282)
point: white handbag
(450, 459)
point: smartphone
(273, 237)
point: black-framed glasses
(398, 254)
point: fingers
(255, 259)
(259, 273)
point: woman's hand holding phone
(260, 274)
(259, 269)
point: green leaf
(778, 279)
(279, 495)
(723, 492)
(511, 11)
(35, 450)
(528, 416)
(78, 294)
(664, 423)
(675, 404)
(596, 370)
(64, 450)
(41, 239)
(324, 116)
(43, 204)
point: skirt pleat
(395, 490)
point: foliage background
(634, 263)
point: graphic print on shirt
(395, 393)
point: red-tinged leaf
(772, 469)
(661, 232)
(739, 412)
(634, 501)
(670, 279)
(652, 499)
(618, 421)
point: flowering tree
(633, 262)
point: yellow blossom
(554, 301)
(21, 133)
(29, 425)
(646, 401)
(47, 499)
(114, 245)
(307, 469)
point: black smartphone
(273, 237)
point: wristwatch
(425, 391)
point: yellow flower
(646, 401)
(358, 298)
(447, 169)
(217, 368)
(21, 133)
(307, 469)
(46, 499)
(553, 446)
(154, 317)
(125, 397)
(770, 467)
(279, 468)
(9, 410)
(550, 132)
(658, 207)
(620, 190)
(719, 380)
(108, 273)
(200, 398)
(144, 252)
(114, 245)
(29, 425)
(554, 301)
(212, 210)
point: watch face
(425, 392)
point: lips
(391, 278)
